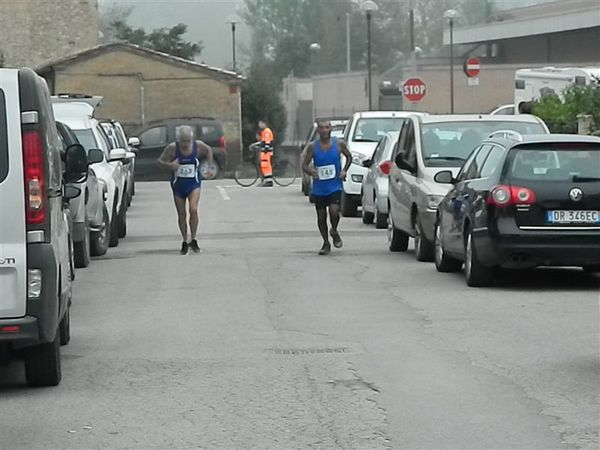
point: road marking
(223, 193)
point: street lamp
(314, 48)
(369, 6)
(451, 14)
(233, 21)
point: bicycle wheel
(284, 173)
(245, 174)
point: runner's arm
(167, 159)
(207, 150)
(344, 151)
(308, 156)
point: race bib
(186, 171)
(326, 172)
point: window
(462, 175)
(86, 138)
(154, 137)
(379, 151)
(474, 170)
(373, 129)
(493, 161)
(568, 162)
(410, 146)
(399, 146)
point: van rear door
(13, 254)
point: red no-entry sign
(472, 67)
(414, 89)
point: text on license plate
(570, 216)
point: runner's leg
(194, 198)
(180, 206)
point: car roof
(439, 118)
(386, 114)
(75, 118)
(543, 139)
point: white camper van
(532, 84)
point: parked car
(36, 273)
(87, 209)
(118, 140)
(426, 144)
(107, 164)
(362, 134)
(337, 131)
(155, 136)
(521, 203)
(376, 183)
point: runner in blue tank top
(327, 174)
(182, 158)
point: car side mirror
(367, 163)
(134, 141)
(117, 154)
(95, 156)
(444, 177)
(71, 192)
(76, 164)
(402, 163)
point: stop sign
(472, 67)
(414, 89)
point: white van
(532, 84)
(36, 269)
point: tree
(560, 114)
(261, 102)
(108, 16)
(283, 31)
(166, 40)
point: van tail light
(503, 196)
(385, 167)
(35, 178)
(222, 142)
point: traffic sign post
(414, 89)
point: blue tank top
(328, 166)
(189, 166)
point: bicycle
(248, 170)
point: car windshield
(450, 143)
(373, 129)
(552, 163)
(86, 138)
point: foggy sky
(206, 21)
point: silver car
(426, 146)
(376, 182)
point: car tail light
(222, 142)
(503, 196)
(385, 167)
(35, 178)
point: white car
(118, 140)
(107, 163)
(362, 134)
(376, 183)
(426, 146)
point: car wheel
(113, 240)
(64, 329)
(367, 217)
(423, 248)
(81, 249)
(476, 274)
(592, 268)
(209, 171)
(42, 364)
(99, 239)
(397, 240)
(349, 206)
(443, 263)
(380, 219)
(122, 220)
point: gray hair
(185, 132)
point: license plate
(570, 216)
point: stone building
(34, 31)
(140, 86)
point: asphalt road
(258, 342)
